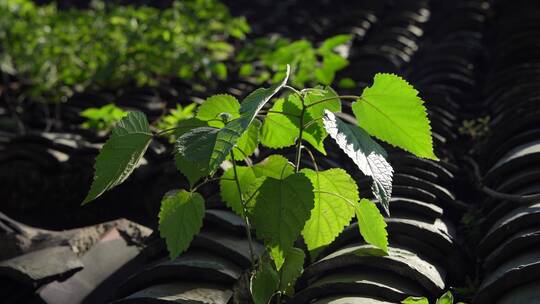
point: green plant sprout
(275, 196)
(103, 118)
(446, 298)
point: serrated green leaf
(200, 151)
(184, 126)
(392, 111)
(282, 209)
(372, 225)
(446, 298)
(120, 154)
(249, 184)
(193, 152)
(366, 154)
(415, 300)
(264, 283)
(180, 218)
(213, 106)
(228, 136)
(291, 270)
(255, 101)
(336, 194)
(313, 134)
(251, 178)
(281, 130)
(275, 166)
(278, 131)
(317, 109)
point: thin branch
(295, 91)
(206, 181)
(312, 158)
(299, 139)
(314, 120)
(246, 157)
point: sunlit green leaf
(211, 109)
(282, 209)
(372, 225)
(415, 300)
(446, 298)
(392, 111)
(366, 154)
(120, 154)
(336, 194)
(180, 218)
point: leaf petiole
(337, 195)
(244, 210)
(352, 97)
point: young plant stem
(312, 159)
(244, 210)
(295, 91)
(299, 139)
(208, 181)
(178, 127)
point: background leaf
(180, 218)
(392, 111)
(372, 225)
(336, 194)
(366, 154)
(120, 154)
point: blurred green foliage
(63, 51)
(103, 118)
(309, 65)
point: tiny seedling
(275, 196)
